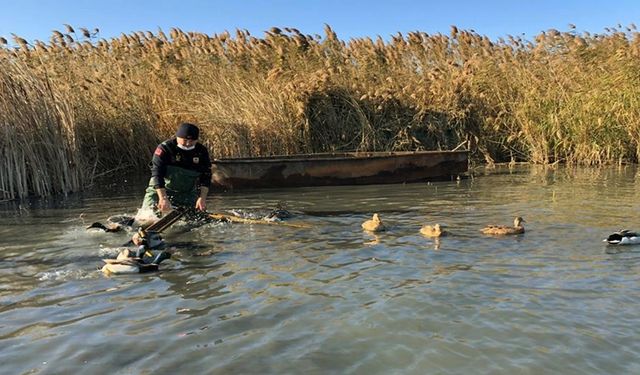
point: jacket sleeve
(205, 176)
(159, 161)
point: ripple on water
(333, 299)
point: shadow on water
(326, 296)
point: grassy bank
(102, 105)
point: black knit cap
(188, 131)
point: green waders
(181, 186)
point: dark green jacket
(180, 172)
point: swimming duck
(433, 231)
(517, 228)
(373, 225)
(128, 262)
(623, 237)
(114, 223)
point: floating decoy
(433, 231)
(517, 228)
(108, 227)
(278, 214)
(127, 262)
(114, 223)
(373, 225)
(623, 237)
(123, 220)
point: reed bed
(38, 149)
(562, 97)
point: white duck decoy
(517, 228)
(623, 237)
(373, 225)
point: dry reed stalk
(39, 122)
(290, 92)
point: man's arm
(164, 204)
(201, 203)
(205, 181)
(158, 171)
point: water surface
(329, 298)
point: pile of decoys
(145, 257)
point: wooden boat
(351, 168)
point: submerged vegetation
(79, 106)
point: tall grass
(38, 148)
(562, 97)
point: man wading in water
(180, 173)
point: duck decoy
(123, 220)
(623, 237)
(433, 231)
(108, 227)
(517, 228)
(278, 214)
(114, 223)
(128, 262)
(373, 225)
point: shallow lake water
(317, 295)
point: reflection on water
(327, 297)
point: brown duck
(433, 231)
(517, 228)
(373, 225)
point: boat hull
(362, 168)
